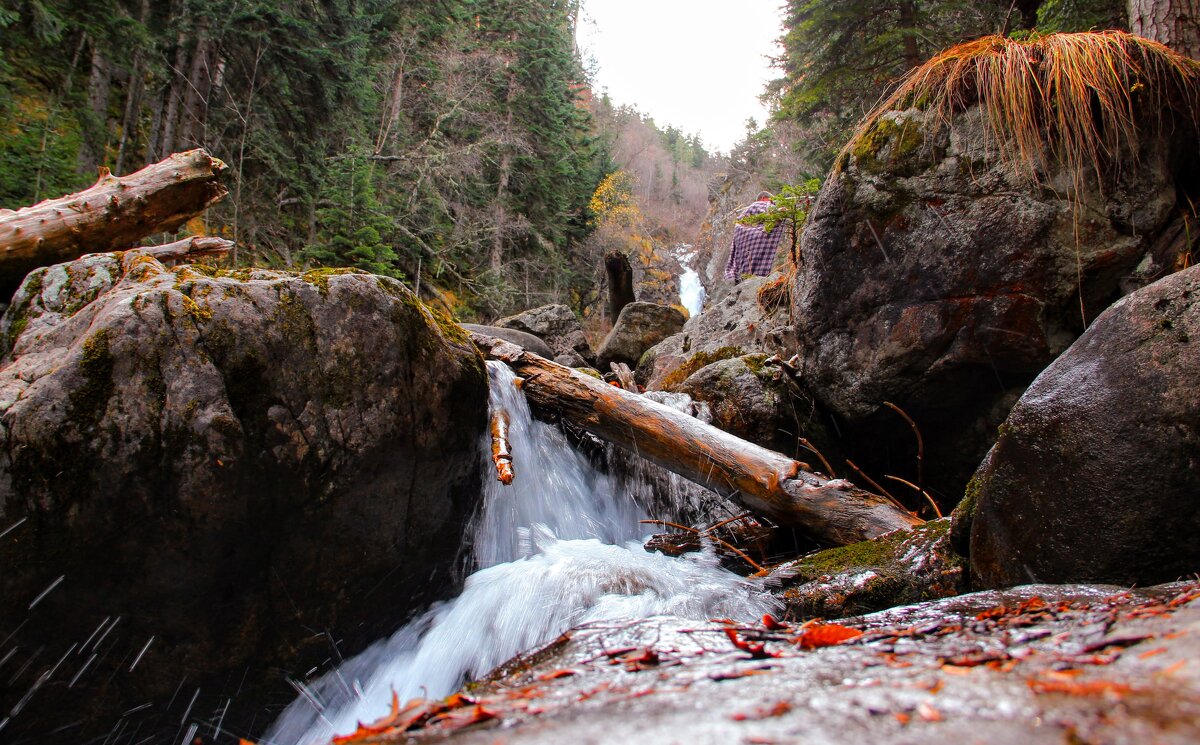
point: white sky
(699, 65)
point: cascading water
(556, 548)
(691, 290)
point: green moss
(241, 275)
(319, 277)
(755, 363)
(89, 401)
(697, 361)
(197, 312)
(591, 372)
(900, 141)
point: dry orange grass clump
(1075, 99)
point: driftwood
(832, 511)
(115, 213)
(188, 249)
(501, 450)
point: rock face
(1097, 472)
(520, 338)
(559, 328)
(729, 327)
(639, 327)
(935, 278)
(209, 483)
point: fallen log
(501, 452)
(114, 213)
(832, 511)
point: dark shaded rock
(898, 568)
(211, 483)
(935, 278)
(559, 328)
(639, 327)
(729, 327)
(520, 338)
(1035, 665)
(1096, 474)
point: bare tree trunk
(908, 22)
(194, 115)
(114, 213)
(834, 512)
(500, 210)
(1175, 23)
(620, 283)
(95, 134)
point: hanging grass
(1079, 100)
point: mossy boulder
(1096, 475)
(938, 277)
(222, 480)
(639, 327)
(898, 568)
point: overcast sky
(697, 64)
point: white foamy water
(691, 290)
(556, 549)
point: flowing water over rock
(691, 289)
(557, 548)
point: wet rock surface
(895, 569)
(935, 278)
(1036, 664)
(639, 327)
(1096, 472)
(520, 338)
(209, 483)
(559, 328)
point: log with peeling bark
(114, 213)
(832, 511)
(501, 451)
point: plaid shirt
(753, 248)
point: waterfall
(558, 547)
(691, 290)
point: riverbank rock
(899, 568)
(728, 327)
(559, 328)
(1038, 664)
(935, 278)
(520, 338)
(639, 327)
(1096, 473)
(213, 482)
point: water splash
(691, 289)
(555, 551)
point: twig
(804, 443)
(735, 549)
(723, 523)
(920, 442)
(936, 510)
(874, 485)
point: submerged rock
(1096, 473)
(210, 483)
(559, 328)
(936, 278)
(639, 327)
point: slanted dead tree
(832, 511)
(114, 213)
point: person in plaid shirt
(753, 249)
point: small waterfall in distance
(558, 547)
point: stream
(560, 547)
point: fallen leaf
(1172, 669)
(826, 635)
(757, 650)
(928, 712)
(1151, 652)
(769, 622)
(556, 674)
(901, 717)
(1079, 688)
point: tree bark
(112, 214)
(95, 131)
(1175, 23)
(834, 512)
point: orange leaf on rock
(826, 635)
(556, 674)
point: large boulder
(731, 326)
(211, 483)
(639, 327)
(937, 278)
(1096, 475)
(559, 328)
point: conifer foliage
(439, 139)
